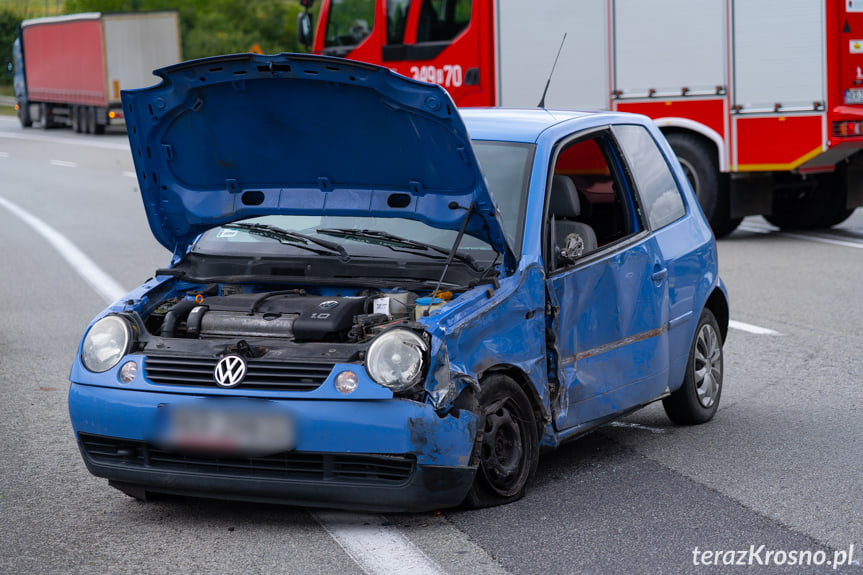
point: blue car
(377, 301)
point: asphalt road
(777, 470)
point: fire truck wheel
(699, 164)
(820, 206)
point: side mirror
(573, 249)
(305, 29)
(9, 67)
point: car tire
(697, 399)
(509, 444)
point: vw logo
(329, 304)
(230, 371)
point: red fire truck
(761, 100)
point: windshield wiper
(392, 240)
(295, 238)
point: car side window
(657, 188)
(589, 205)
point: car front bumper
(382, 455)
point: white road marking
(4, 154)
(751, 328)
(825, 240)
(91, 273)
(810, 236)
(64, 163)
(72, 140)
(756, 229)
(130, 175)
(378, 547)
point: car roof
(527, 124)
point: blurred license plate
(854, 96)
(229, 428)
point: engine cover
(275, 314)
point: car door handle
(659, 275)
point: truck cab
(19, 83)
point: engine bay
(229, 312)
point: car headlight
(396, 359)
(106, 343)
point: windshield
(349, 22)
(506, 166)
(307, 234)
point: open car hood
(231, 137)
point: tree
(213, 27)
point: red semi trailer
(761, 100)
(70, 69)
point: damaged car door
(606, 287)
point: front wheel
(24, 115)
(509, 449)
(697, 399)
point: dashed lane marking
(751, 328)
(377, 546)
(64, 163)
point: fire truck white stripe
(378, 547)
(91, 273)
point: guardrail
(7, 101)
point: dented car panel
(389, 319)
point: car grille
(358, 469)
(270, 375)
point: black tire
(699, 163)
(729, 225)
(73, 117)
(98, 128)
(45, 116)
(821, 205)
(509, 447)
(90, 126)
(697, 399)
(24, 115)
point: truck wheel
(44, 116)
(24, 115)
(820, 206)
(98, 128)
(73, 117)
(697, 399)
(699, 163)
(509, 449)
(91, 120)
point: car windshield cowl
(311, 269)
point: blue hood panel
(232, 137)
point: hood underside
(232, 137)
